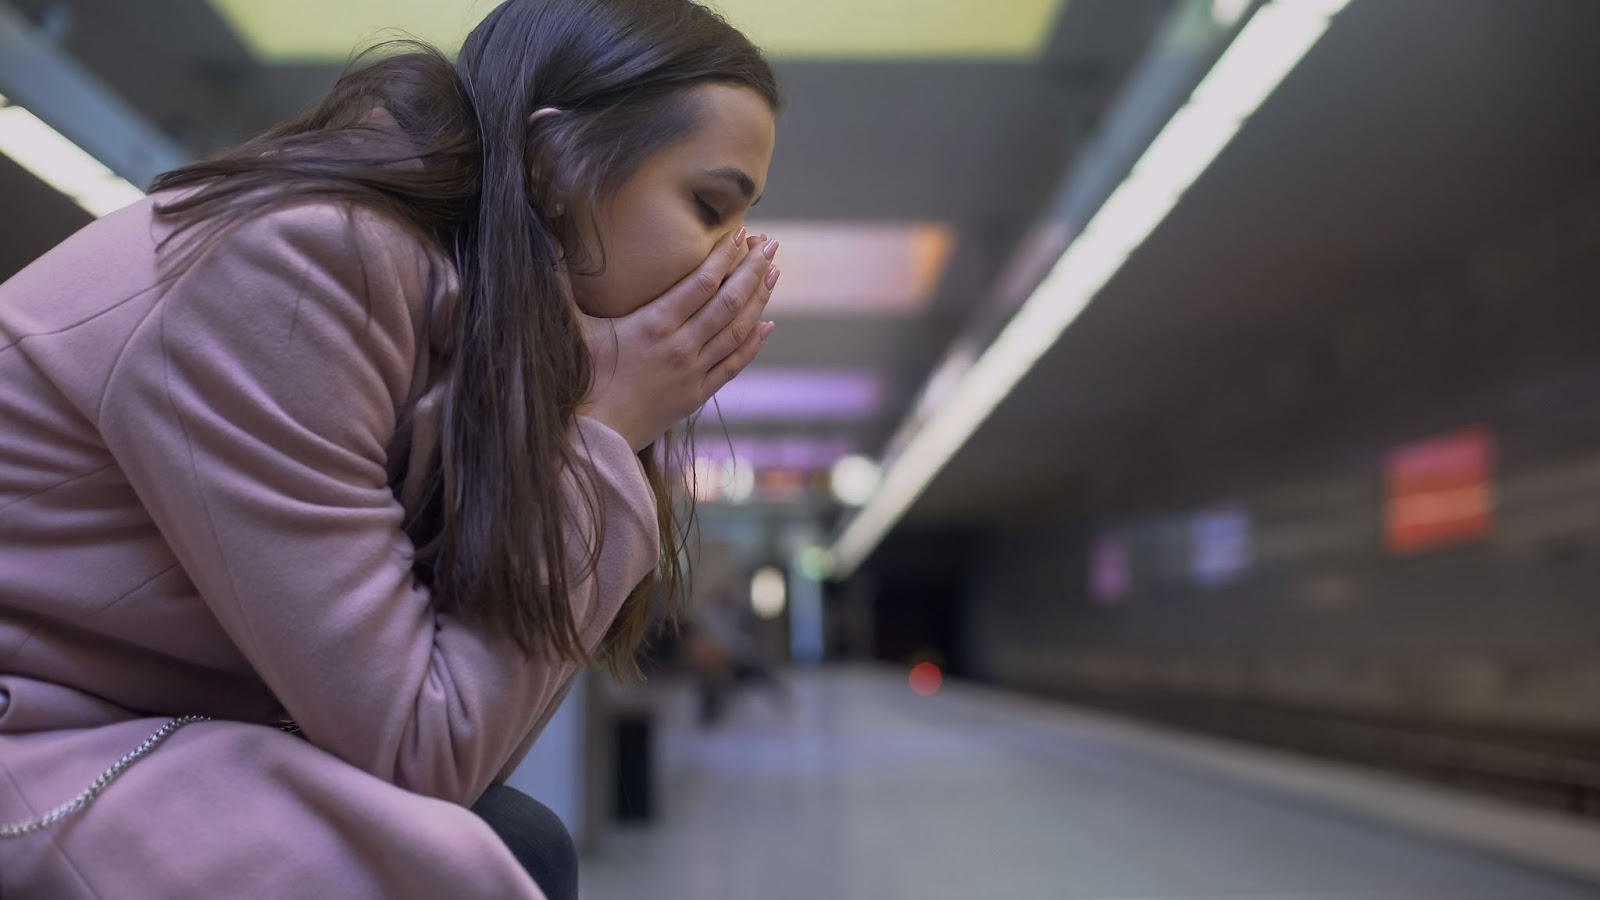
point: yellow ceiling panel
(859, 268)
(324, 31)
(896, 29)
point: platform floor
(859, 788)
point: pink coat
(196, 517)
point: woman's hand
(660, 363)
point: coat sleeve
(251, 411)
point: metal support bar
(37, 75)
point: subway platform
(856, 787)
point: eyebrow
(746, 185)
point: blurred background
(1176, 472)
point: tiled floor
(861, 789)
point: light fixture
(705, 480)
(58, 162)
(768, 593)
(814, 563)
(310, 31)
(713, 479)
(1227, 12)
(1254, 64)
(854, 479)
(800, 395)
(796, 451)
(740, 480)
(849, 269)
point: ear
(542, 113)
(556, 210)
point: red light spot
(926, 678)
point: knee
(536, 837)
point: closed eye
(708, 211)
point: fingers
(687, 297)
(735, 362)
(745, 288)
(732, 337)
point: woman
(362, 425)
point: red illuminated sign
(1440, 492)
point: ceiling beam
(1174, 116)
(38, 76)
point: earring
(558, 210)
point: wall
(1294, 438)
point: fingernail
(770, 250)
(739, 238)
(772, 277)
(766, 329)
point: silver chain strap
(77, 804)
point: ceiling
(1409, 135)
(819, 30)
(1412, 134)
(920, 120)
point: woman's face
(668, 215)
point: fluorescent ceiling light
(1227, 12)
(1269, 47)
(1128, 216)
(854, 479)
(1273, 42)
(768, 593)
(60, 163)
(1191, 139)
(858, 268)
(319, 31)
(797, 452)
(788, 395)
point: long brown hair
(461, 178)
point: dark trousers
(536, 837)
